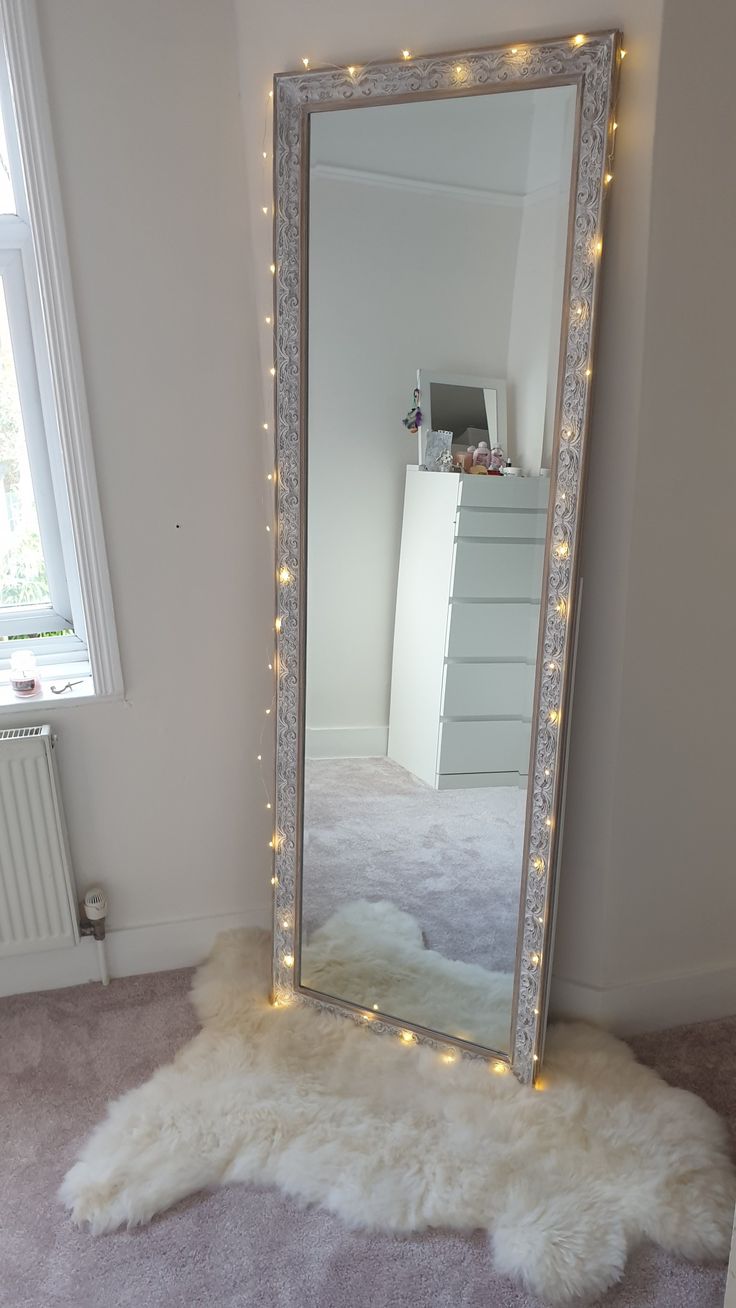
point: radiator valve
(92, 913)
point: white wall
(534, 341)
(162, 792)
(144, 108)
(389, 275)
(668, 904)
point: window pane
(23, 577)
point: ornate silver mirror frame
(590, 62)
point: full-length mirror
(436, 268)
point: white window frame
(50, 378)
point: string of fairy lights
(561, 548)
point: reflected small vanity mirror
(442, 408)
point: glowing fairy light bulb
(288, 960)
(305, 61)
(277, 624)
(538, 865)
(285, 576)
(408, 1037)
(406, 54)
(579, 39)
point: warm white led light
(408, 1037)
(277, 624)
(288, 960)
(406, 54)
(579, 39)
(305, 61)
(285, 576)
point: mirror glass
(438, 234)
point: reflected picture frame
(590, 62)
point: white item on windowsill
(24, 679)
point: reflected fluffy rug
(373, 953)
(389, 1136)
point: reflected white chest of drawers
(466, 627)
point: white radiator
(38, 907)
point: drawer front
(504, 492)
(488, 690)
(493, 631)
(501, 524)
(484, 746)
(497, 571)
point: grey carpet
(64, 1054)
(453, 860)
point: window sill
(81, 692)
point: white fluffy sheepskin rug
(386, 1135)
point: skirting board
(131, 951)
(653, 1005)
(346, 742)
